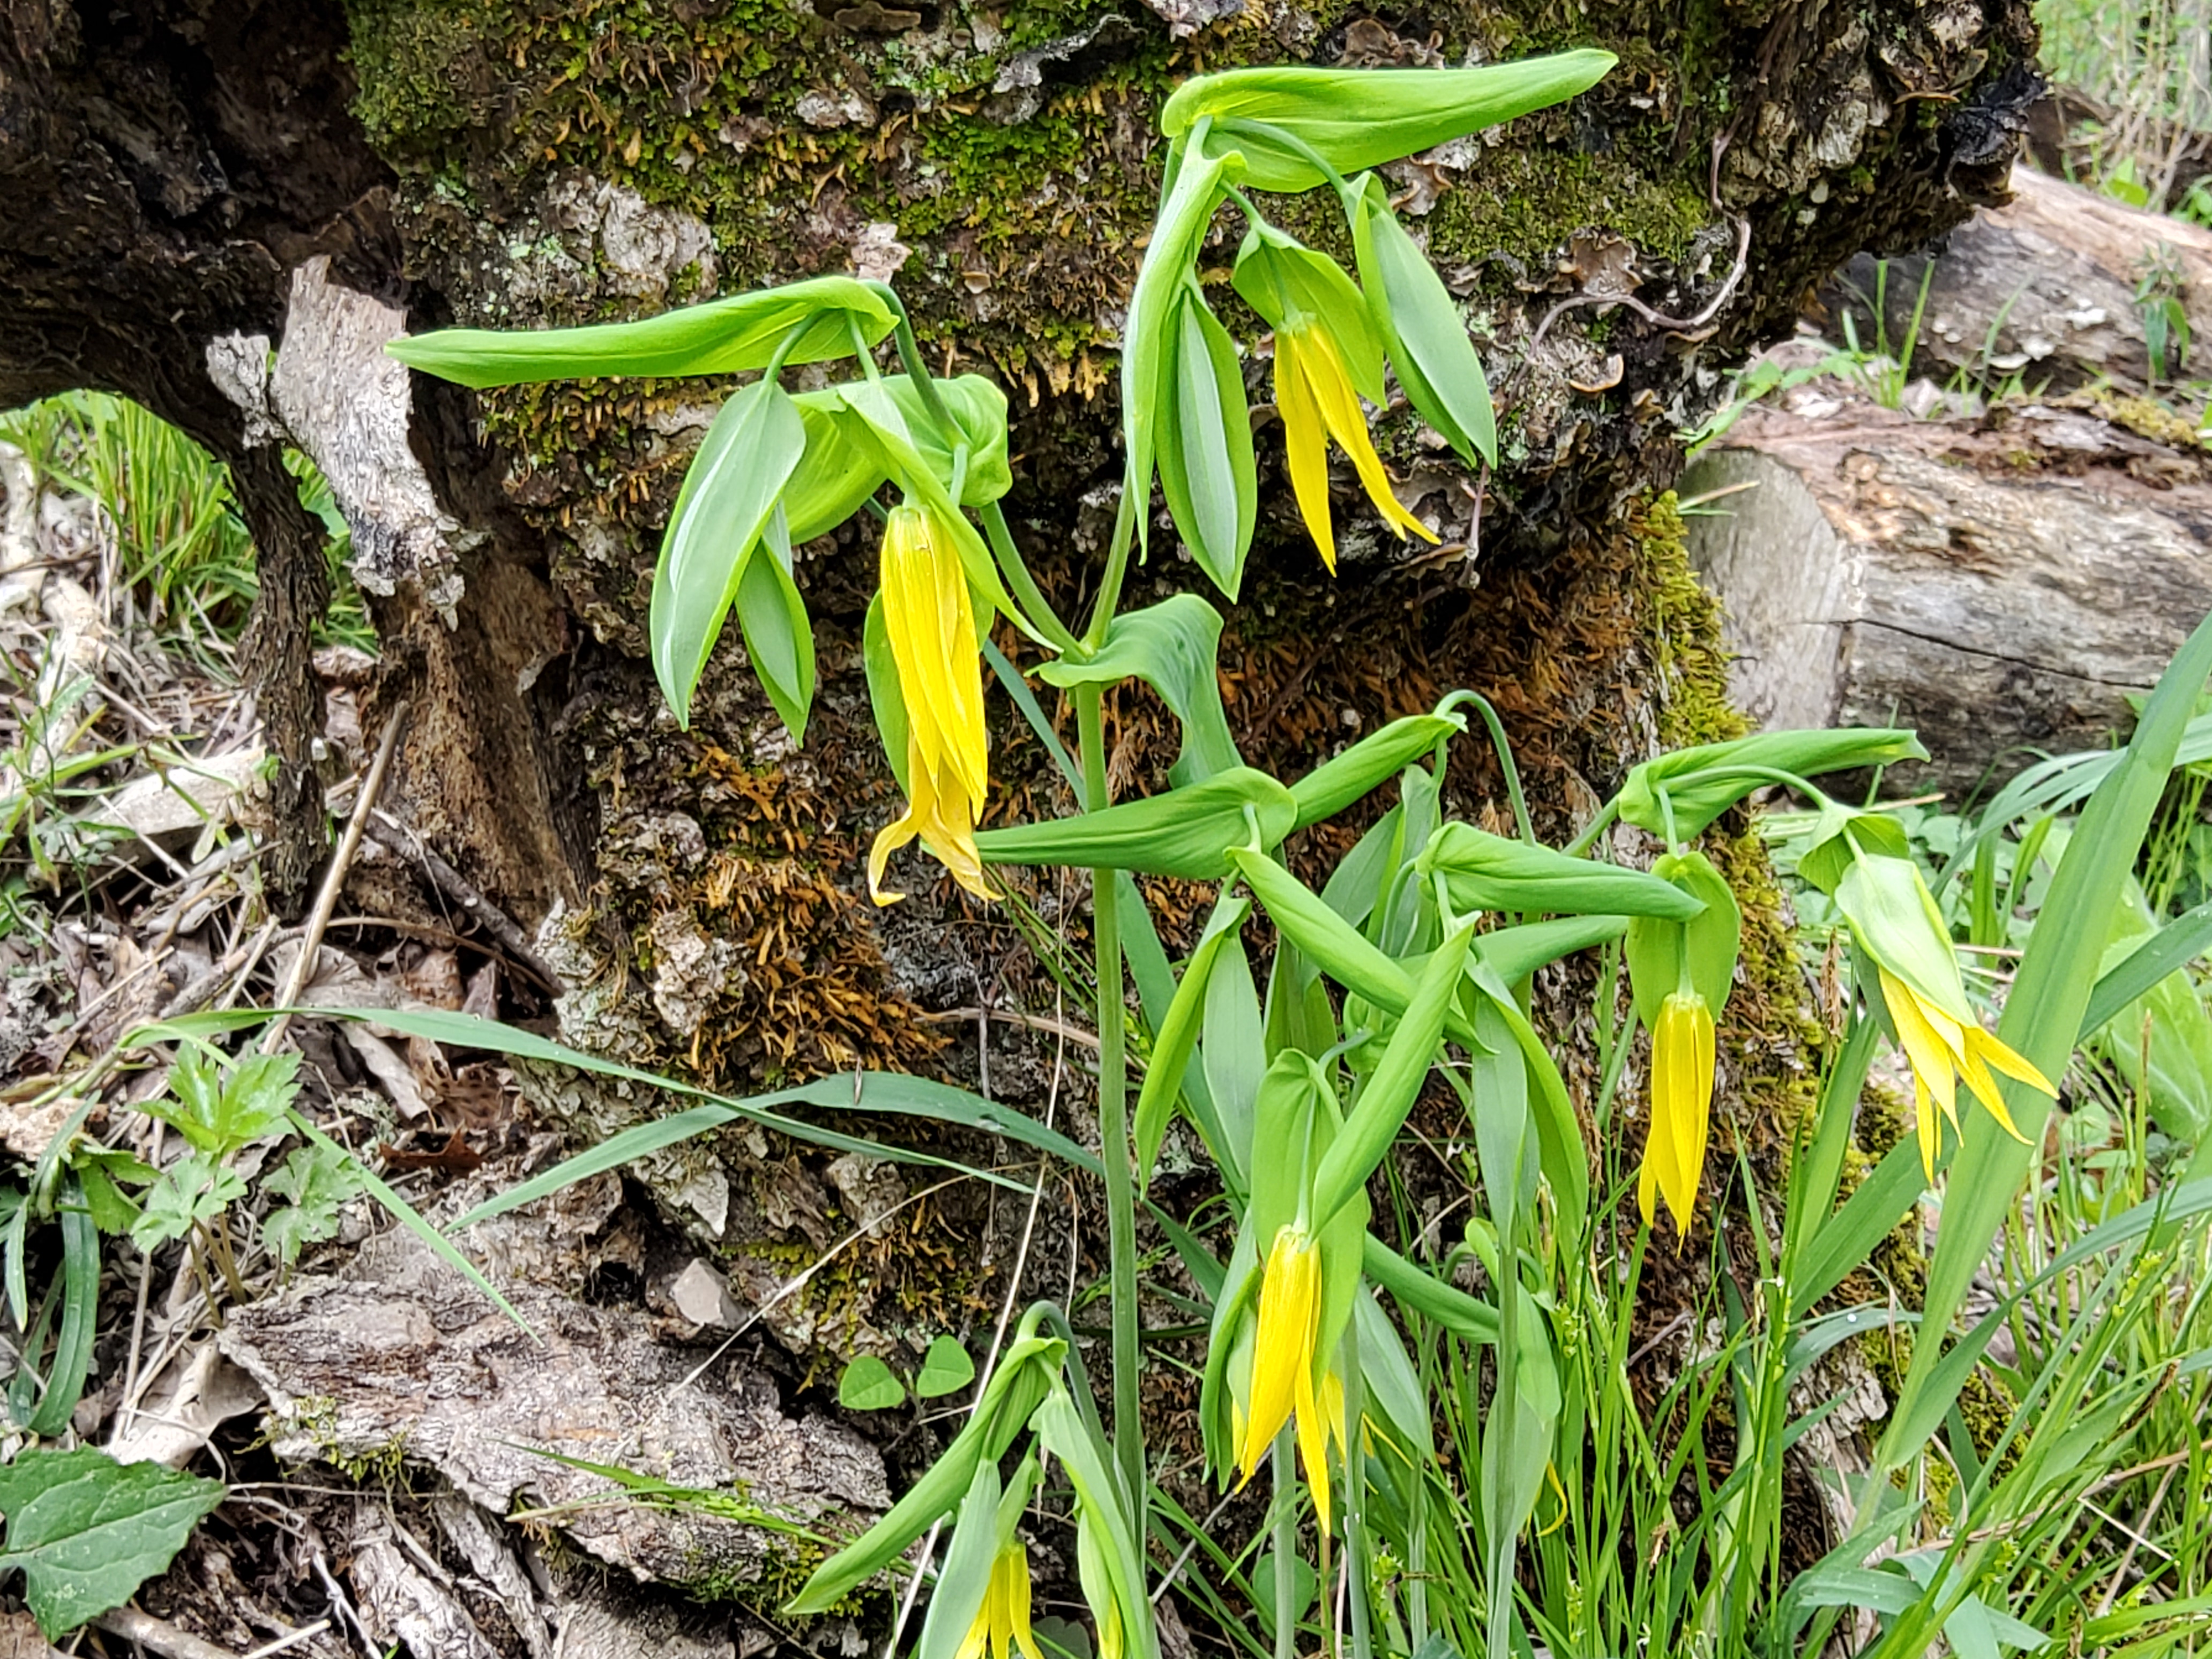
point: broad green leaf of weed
(867, 1385)
(945, 1368)
(87, 1531)
(219, 1114)
(316, 1181)
(194, 1189)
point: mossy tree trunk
(520, 162)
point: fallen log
(2046, 288)
(2000, 583)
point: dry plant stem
(388, 832)
(159, 1636)
(326, 901)
(1113, 1127)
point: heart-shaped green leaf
(945, 1369)
(867, 1385)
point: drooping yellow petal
(945, 819)
(1921, 1037)
(1682, 1058)
(1305, 440)
(1937, 1046)
(1313, 1444)
(1976, 1070)
(1010, 1575)
(1282, 1356)
(1347, 423)
(1926, 1126)
(930, 622)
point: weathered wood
(2044, 287)
(2000, 584)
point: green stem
(1286, 1539)
(1135, 495)
(1114, 1147)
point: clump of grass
(184, 556)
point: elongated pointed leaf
(1339, 781)
(886, 697)
(1703, 782)
(728, 495)
(1172, 648)
(1185, 832)
(1025, 1374)
(1396, 1084)
(1490, 873)
(1178, 1035)
(1147, 343)
(1358, 118)
(1429, 346)
(778, 636)
(719, 337)
(844, 465)
(1206, 469)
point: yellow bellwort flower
(1315, 395)
(930, 624)
(1682, 1107)
(1942, 1048)
(1003, 1621)
(1282, 1386)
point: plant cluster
(1412, 962)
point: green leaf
(1381, 1110)
(2153, 959)
(867, 1385)
(886, 697)
(1283, 281)
(1490, 873)
(193, 1189)
(87, 1531)
(1703, 782)
(1185, 832)
(1436, 360)
(844, 465)
(315, 1184)
(1171, 646)
(778, 636)
(1024, 1375)
(965, 1579)
(72, 1360)
(1664, 956)
(945, 1369)
(720, 336)
(220, 1108)
(1206, 470)
(1514, 953)
(1178, 1035)
(749, 455)
(2171, 1015)
(1339, 781)
(1358, 118)
(905, 459)
(1147, 345)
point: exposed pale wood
(2044, 286)
(1997, 585)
